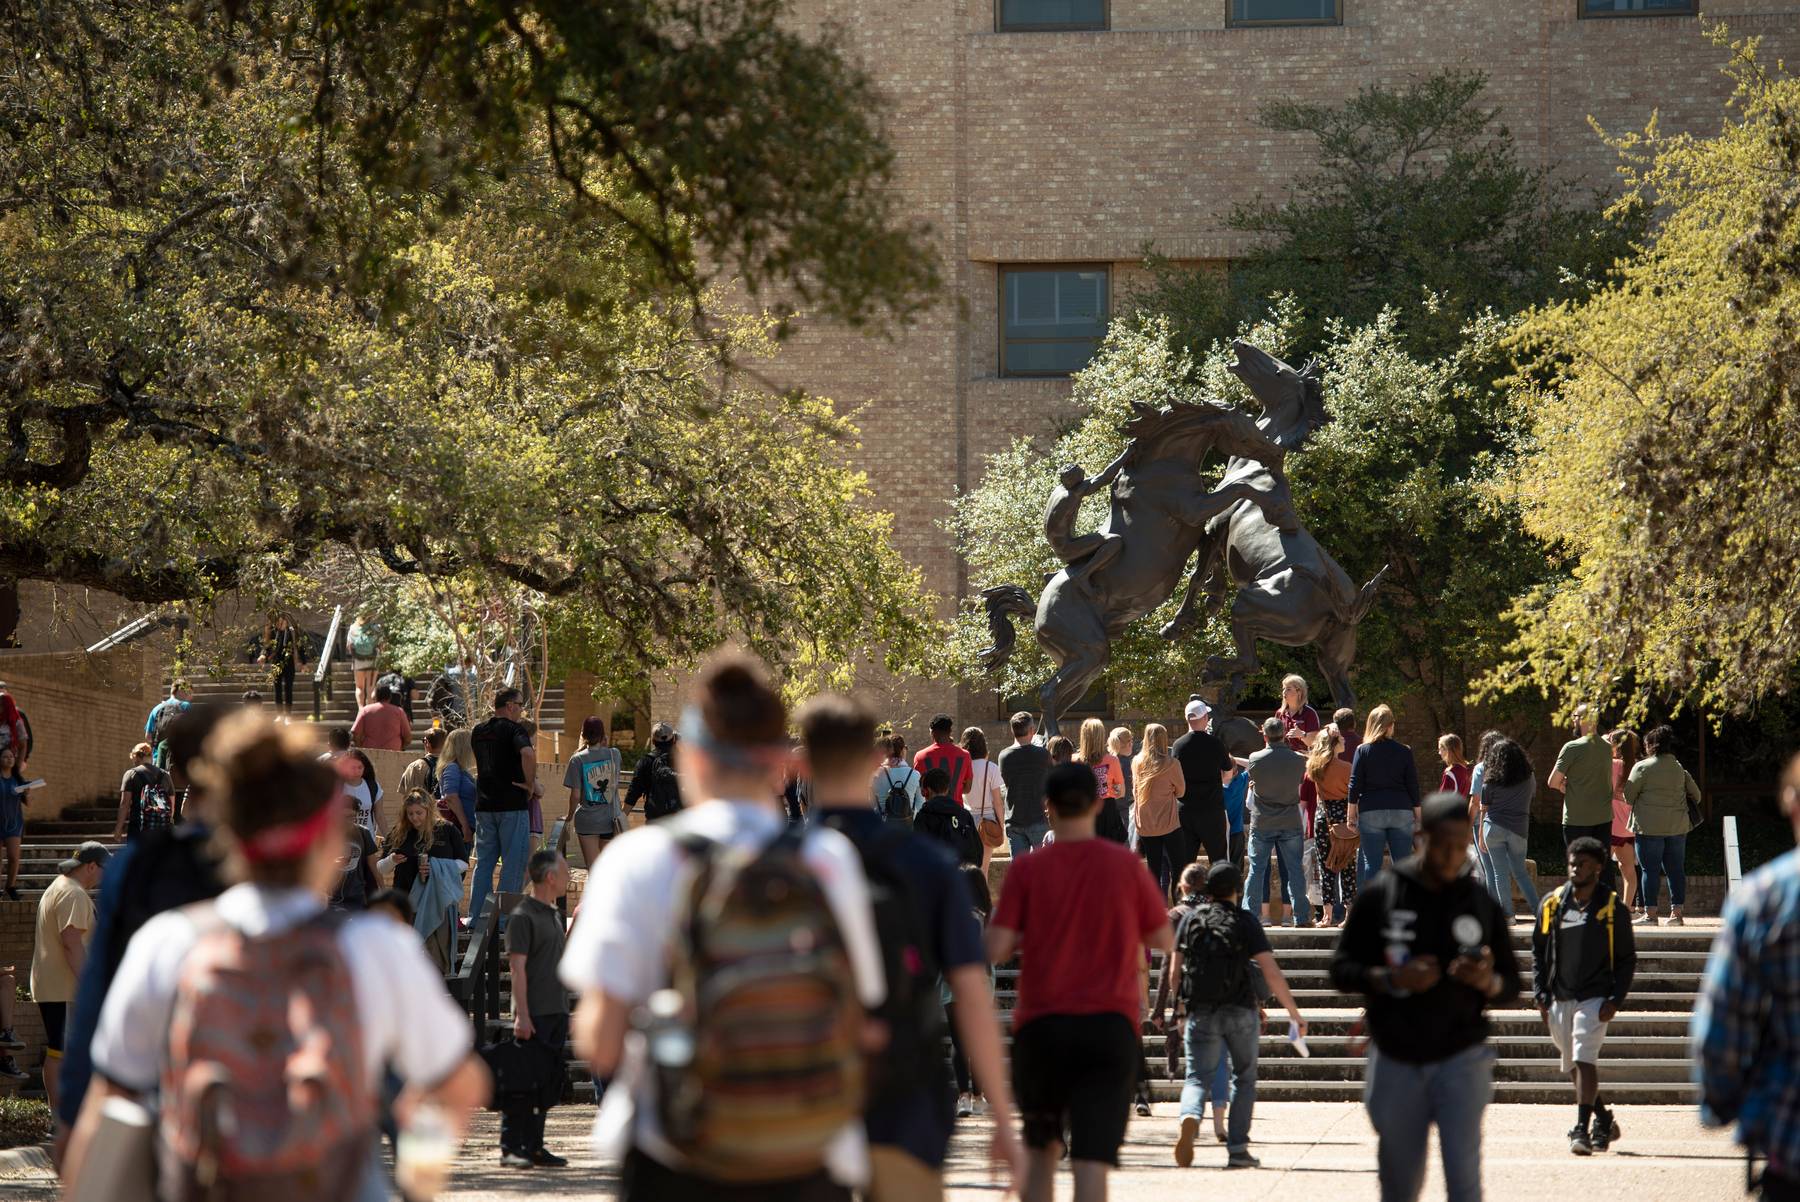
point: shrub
(23, 1122)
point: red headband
(291, 840)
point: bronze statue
(1289, 589)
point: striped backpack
(776, 1068)
(266, 1097)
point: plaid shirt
(1747, 1027)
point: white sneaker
(981, 1105)
(965, 1106)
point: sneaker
(11, 1071)
(514, 1160)
(1606, 1130)
(1143, 1109)
(1579, 1143)
(544, 1158)
(1675, 919)
(1648, 919)
(1184, 1143)
(981, 1106)
(12, 894)
(964, 1107)
(11, 1042)
(1242, 1160)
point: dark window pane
(1284, 10)
(1604, 7)
(1052, 14)
(1052, 320)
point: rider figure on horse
(1098, 548)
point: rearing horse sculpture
(1160, 511)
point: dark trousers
(284, 687)
(1210, 833)
(1774, 1187)
(1603, 832)
(522, 1118)
(1164, 856)
(959, 1063)
(646, 1180)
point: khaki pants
(898, 1176)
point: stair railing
(136, 629)
(475, 984)
(322, 673)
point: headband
(290, 840)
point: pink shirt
(380, 726)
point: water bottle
(424, 1153)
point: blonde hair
(1093, 742)
(459, 749)
(1451, 750)
(1154, 759)
(398, 833)
(1119, 741)
(1326, 745)
(1294, 681)
(1380, 724)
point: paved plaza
(1308, 1150)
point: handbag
(989, 828)
(1344, 843)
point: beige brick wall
(86, 713)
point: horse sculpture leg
(1337, 651)
(1070, 684)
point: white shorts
(1577, 1031)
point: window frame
(1000, 25)
(1000, 313)
(1583, 14)
(1337, 18)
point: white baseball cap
(1197, 709)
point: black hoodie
(1398, 917)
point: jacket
(1383, 776)
(946, 821)
(1397, 917)
(1658, 792)
(1606, 948)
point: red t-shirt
(952, 759)
(381, 727)
(1082, 911)
(1456, 779)
(1300, 727)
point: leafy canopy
(1664, 463)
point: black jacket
(949, 823)
(1397, 917)
(1603, 949)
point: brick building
(1045, 158)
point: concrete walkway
(1308, 1150)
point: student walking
(653, 925)
(65, 921)
(1079, 914)
(146, 796)
(934, 964)
(592, 779)
(1384, 795)
(1206, 767)
(943, 819)
(457, 792)
(284, 653)
(1024, 767)
(1583, 959)
(1429, 948)
(1665, 806)
(352, 997)
(1191, 891)
(1109, 779)
(1503, 809)
(1221, 994)
(654, 780)
(1120, 743)
(1583, 775)
(505, 780)
(534, 948)
(1159, 785)
(942, 752)
(1746, 1029)
(427, 857)
(1625, 750)
(986, 801)
(896, 785)
(1275, 774)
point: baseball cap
(1223, 879)
(88, 853)
(1197, 709)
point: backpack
(664, 795)
(1215, 962)
(166, 713)
(597, 777)
(954, 828)
(896, 807)
(156, 809)
(770, 1069)
(362, 642)
(266, 1094)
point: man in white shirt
(732, 753)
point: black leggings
(284, 687)
(1163, 854)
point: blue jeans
(505, 836)
(1286, 845)
(1503, 862)
(1381, 830)
(1404, 1100)
(1026, 838)
(1660, 854)
(1233, 1030)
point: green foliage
(24, 1122)
(1419, 200)
(1664, 462)
(422, 285)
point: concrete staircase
(1646, 1058)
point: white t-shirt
(407, 1018)
(985, 799)
(621, 945)
(365, 798)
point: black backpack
(896, 807)
(912, 1011)
(664, 795)
(1215, 962)
(954, 828)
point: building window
(1638, 8)
(1015, 16)
(1051, 318)
(1286, 12)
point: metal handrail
(1734, 862)
(136, 629)
(476, 982)
(322, 673)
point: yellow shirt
(64, 904)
